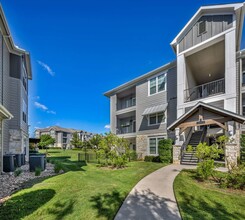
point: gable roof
(223, 112)
(238, 8)
(133, 82)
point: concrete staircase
(189, 158)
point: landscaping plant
(38, 171)
(165, 150)
(17, 172)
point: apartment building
(194, 98)
(63, 136)
(15, 71)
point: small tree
(165, 150)
(95, 140)
(76, 141)
(46, 140)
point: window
(157, 84)
(201, 27)
(153, 145)
(24, 112)
(243, 110)
(243, 79)
(157, 118)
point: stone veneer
(231, 154)
(15, 141)
(176, 154)
(141, 144)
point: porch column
(179, 137)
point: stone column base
(176, 154)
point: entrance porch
(204, 123)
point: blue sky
(80, 49)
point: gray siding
(219, 104)
(215, 24)
(144, 101)
(4, 60)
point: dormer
(208, 23)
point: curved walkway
(153, 197)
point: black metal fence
(93, 158)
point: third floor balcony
(205, 90)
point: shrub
(189, 148)
(165, 150)
(205, 169)
(132, 155)
(155, 159)
(17, 172)
(119, 161)
(235, 178)
(38, 171)
(57, 167)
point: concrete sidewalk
(153, 197)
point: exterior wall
(215, 24)
(113, 108)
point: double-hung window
(157, 118)
(157, 84)
(153, 145)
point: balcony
(126, 103)
(126, 130)
(205, 90)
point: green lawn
(85, 191)
(205, 201)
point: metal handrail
(205, 90)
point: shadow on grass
(61, 209)
(139, 205)
(25, 204)
(202, 205)
(214, 209)
(67, 164)
(107, 204)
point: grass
(85, 191)
(198, 200)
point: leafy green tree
(76, 141)
(95, 140)
(46, 140)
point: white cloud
(51, 112)
(41, 106)
(44, 108)
(39, 122)
(107, 126)
(46, 67)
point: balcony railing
(126, 129)
(205, 90)
(126, 103)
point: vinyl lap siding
(4, 60)
(113, 109)
(144, 101)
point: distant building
(63, 136)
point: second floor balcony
(126, 102)
(205, 90)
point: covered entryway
(200, 123)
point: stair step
(189, 163)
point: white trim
(156, 77)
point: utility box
(18, 160)
(23, 159)
(8, 163)
(37, 161)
